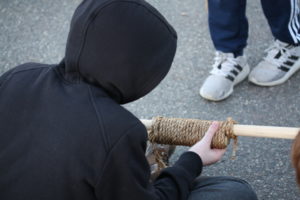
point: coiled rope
(186, 132)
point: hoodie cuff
(191, 163)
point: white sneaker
(281, 62)
(226, 73)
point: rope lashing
(186, 132)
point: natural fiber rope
(186, 132)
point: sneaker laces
(277, 48)
(227, 62)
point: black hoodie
(63, 133)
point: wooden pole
(265, 131)
(254, 131)
(147, 123)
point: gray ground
(37, 30)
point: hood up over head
(125, 47)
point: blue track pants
(229, 26)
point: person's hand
(203, 147)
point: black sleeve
(126, 172)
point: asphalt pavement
(36, 31)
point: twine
(187, 132)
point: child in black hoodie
(64, 134)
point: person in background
(228, 27)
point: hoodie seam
(97, 12)
(99, 119)
(24, 70)
(15, 71)
(126, 132)
(19, 71)
(6, 79)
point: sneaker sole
(291, 72)
(237, 81)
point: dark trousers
(221, 188)
(229, 26)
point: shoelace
(275, 49)
(227, 63)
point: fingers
(219, 152)
(211, 131)
(216, 154)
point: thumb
(211, 131)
